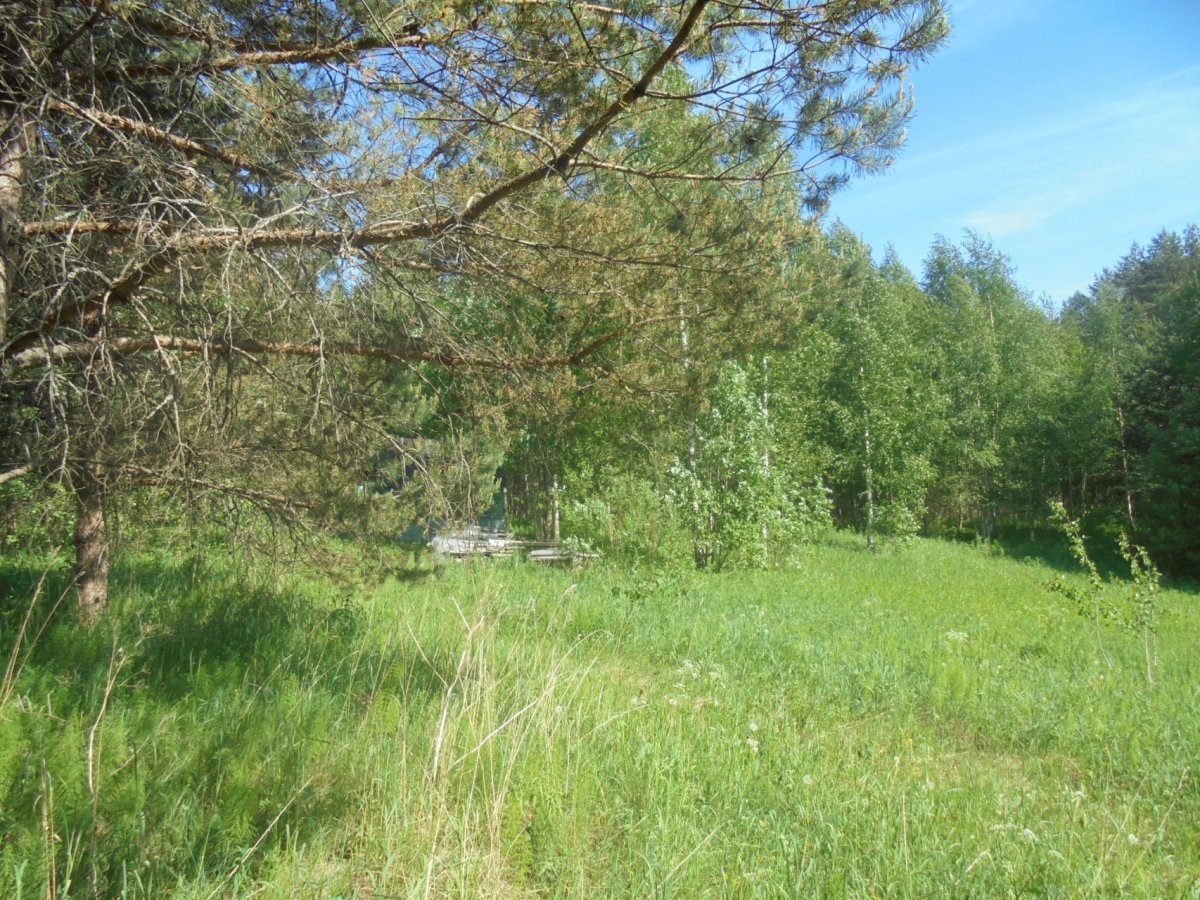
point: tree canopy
(238, 237)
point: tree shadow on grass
(180, 612)
(1048, 546)
(20, 577)
(216, 711)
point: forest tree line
(356, 264)
(894, 404)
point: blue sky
(1064, 130)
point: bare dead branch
(18, 472)
(380, 233)
(175, 141)
(152, 478)
(88, 310)
(73, 226)
(406, 353)
(274, 54)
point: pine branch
(82, 351)
(177, 142)
(152, 478)
(382, 233)
(18, 472)
(260, 56)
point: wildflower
(754, 726)
(956, 637)
(752, 744)
(808, 780)
(1133, 840)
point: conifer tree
(215, 201)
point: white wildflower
(752, 744)
(1133, 840)
(808, 780)
(956, 637)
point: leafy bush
(623, 516)
(741, 509)
(1136, 611)
(36, 515)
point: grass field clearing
(926, 720)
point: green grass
(930, 720)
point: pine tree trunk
(15, 133)
(91, 547)
(13, 143)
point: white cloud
(1002, 223)
(974, 22)
(1064, 190)
(1163, 108)
(1009, 216)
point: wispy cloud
(1158, 107)
(1062, 130)
(973, 22)
(1009, 216)
(1004, 223)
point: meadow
(926, 720)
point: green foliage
(955, 406)
(623, 516)
(417, 274)
(1089, 600)
(1136, 611)
(999, 366)
(884, 410)
(741, 509)
(1170, 416)
(35, 515)
(1144, 594)
(1135, 414)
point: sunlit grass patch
(928, 720)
